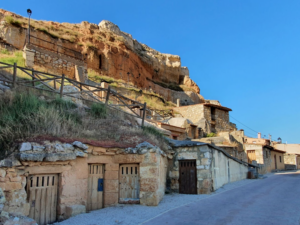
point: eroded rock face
(114, 53)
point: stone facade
(70, 162)
(291, 161)
(36, 57)
(211, 163)
(202, 116)
(265, 157)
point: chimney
(259, 135)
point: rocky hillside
(107, 51)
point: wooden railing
(54, 47)
(56, 84)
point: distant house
(268, 158)
(210, 116)
(292, 155)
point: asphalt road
(273, 200)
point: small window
(280, 158)
(254, 142)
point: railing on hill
(41, 81)
(54, 47)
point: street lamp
(29, 14)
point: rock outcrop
(105, 49)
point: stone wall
(37, 58)
(71, 162)
(263, 157)
(290, 161)
(212, 168)
(200, 115)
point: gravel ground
(136, 214)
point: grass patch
(98, 110)
(12, 21)
(11, 58)
(45, 31)
(24, 115)
(153, 131)
(5, 51)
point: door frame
(180, 177)
(29, 182)
(137, 201)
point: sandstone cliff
(108, 51)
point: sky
(244, 53)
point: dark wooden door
(275, 161)
(187, 177)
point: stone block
(207, 155)
(111, 185)
(187, 155)
(206, 183)
(174, 174)
(111, 199)
(111, 166)
(10, 186)
(15, 179)
(2, 173)
(201, 167)
(111, 175)
(203, 174)
(205, 161)
(99, 149)
(75, 210)
(26, 146)
(149, 172)
(149, 184)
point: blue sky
(243, 53)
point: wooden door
(187, 177)
(275, 161)
(42, 195)
(95, 187)
(251, 155)
(129, 183)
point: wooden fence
(57, 84)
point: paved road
(274, 200)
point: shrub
(98, 110)
(211, 134)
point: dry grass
(23, 115)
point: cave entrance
(181, 79)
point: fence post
(32, 71)
(14, 75)
(54, 84)
(62, 85)
(144, 113)
(107, 95)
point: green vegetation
(45, 31)
(211, 134)
(12, 21)
(98, 110)
(11, 58)
(153, 131)
(24, 115)
(4, 51)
